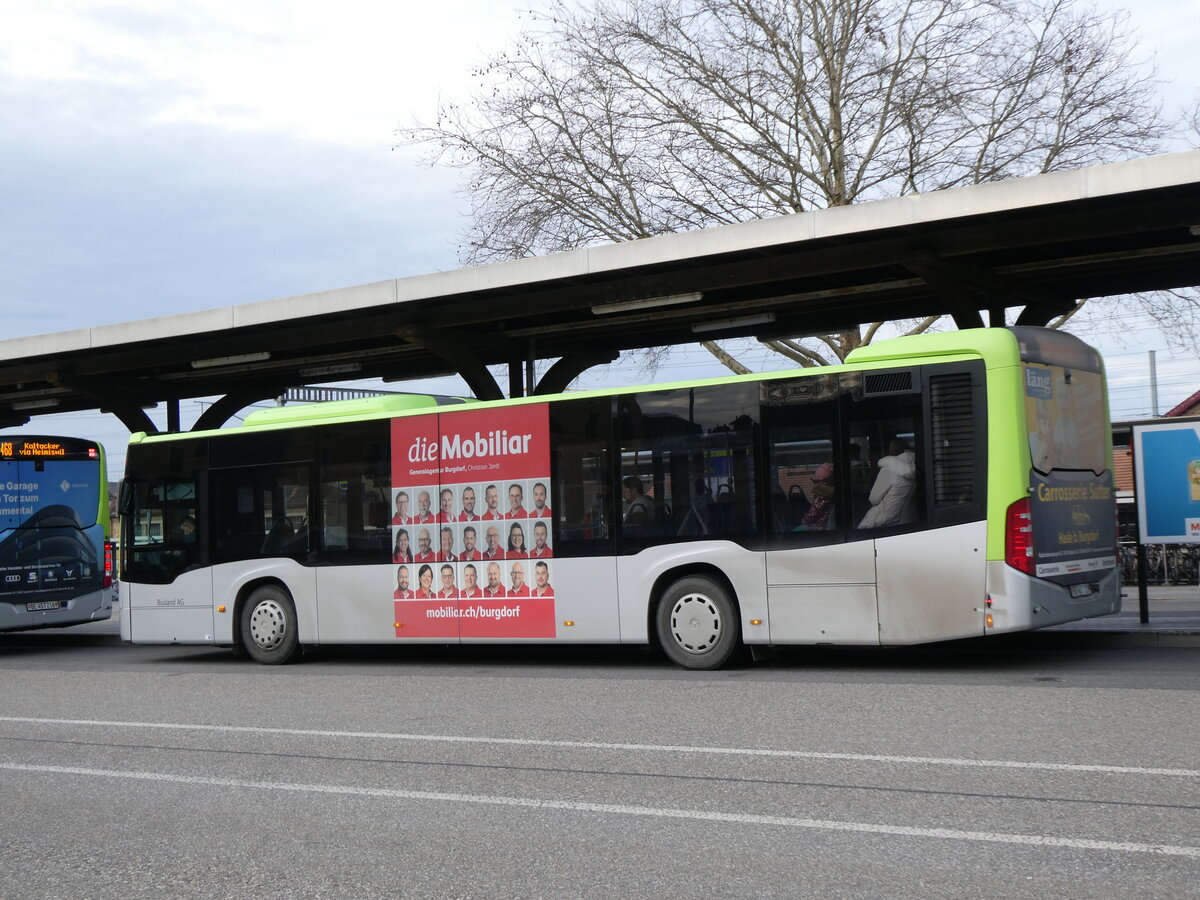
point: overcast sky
(163, 157)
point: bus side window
(887, 464)
(584, 511)
(354, 486)
(260, 511)
(805, 502)
(688, 465)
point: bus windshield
(53, 526)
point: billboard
(472, 534)
(1074, 528)
(1167, 468)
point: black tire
(698, 623)
(268, 625)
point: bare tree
(612, 120)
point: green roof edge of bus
(965, 343)
(977, 341)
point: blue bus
(56, 557)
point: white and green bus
(934, 487)
(56, 560)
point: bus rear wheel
(698, 623)
(268, 625)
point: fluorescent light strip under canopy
(604, 309)
(740, 322)
(230, 360)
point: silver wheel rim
(268, 624)
(695, 623)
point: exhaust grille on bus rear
(896, 382)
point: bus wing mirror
(125, 497)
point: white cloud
(345, 73)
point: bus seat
(278, 537)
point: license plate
(42, 604)
(1082, 590)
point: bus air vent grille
(876, 383)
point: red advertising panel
(471, 529)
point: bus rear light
(1018, 537)
(108, 564)
(989, 620)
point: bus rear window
(1064, 414)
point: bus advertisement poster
(473, 556)
(1167, 468)
(1074, 531)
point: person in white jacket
(892, 501)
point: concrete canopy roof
(1038, 243)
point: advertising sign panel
(472, 535)
(1074, 528)
(1167, 469)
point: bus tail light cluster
(108, 564)
(1018, 537)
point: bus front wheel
(268, 625)
(698, 623)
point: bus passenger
(820, 510)
(638, 508)
(892, 494)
